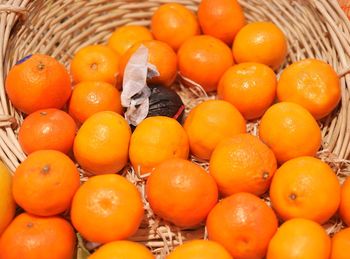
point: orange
(33, 237)
(38, 82)
(47, 129)
(299, 238)
(89, 98)
(44, 184)
(305, 187)
(7, 203)
(250, 87)
(242, 163)
(124, 37)
(344, 6)
(344, 208)
(311, 83)
(199, 249)
(341, 244)
(161, 55)
(243, 224)
(156, 139)
(221, 19)
(102, 142)
(107, 208)
(122, 249)
(173, 24)
(209, 123)
(261, 42)
(176, 187)
(290, 131)
(95, 63)
(204, 59)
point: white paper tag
(135, 90)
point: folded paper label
(135, 94)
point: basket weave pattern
(314, 28)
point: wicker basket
(315, 28)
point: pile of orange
(74, 129)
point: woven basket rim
(322, 31)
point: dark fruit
(165, 102)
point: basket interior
(315, 29)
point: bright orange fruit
(341, 244)
(47, 129)
(102, 143)
(209, 123)
(122, 249)
(157, 139)
(161, 55)
(107, 208)
(290, 131)
(221, 19)
(124, 37)
(33, 237)
(243, 224)
(95, 63)
(305, 187)
(344, 208)
(199, 249)
(44, 184)
(311, 83)
(250, 87)
(242, 163)
(204, 59)
(39, 82)
(299, 238)
(92, 97)
(7, 205)
(186, 186)
(261, 42)
(173, 24)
